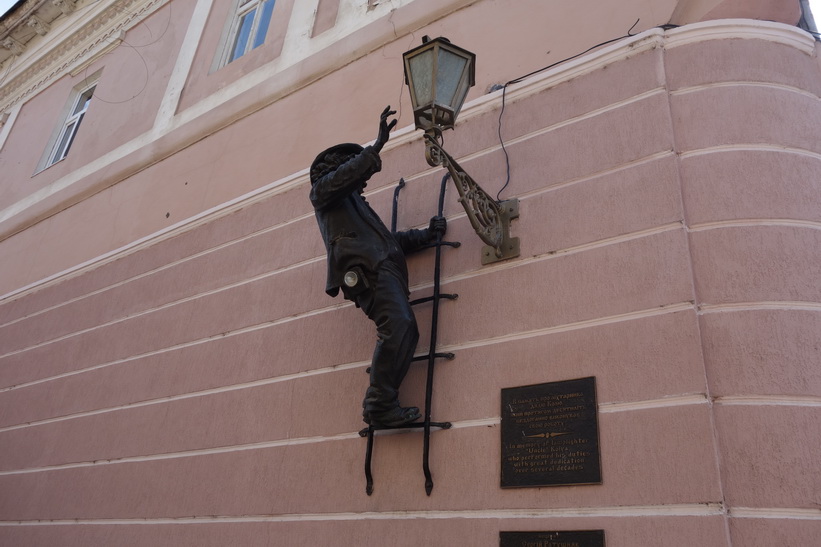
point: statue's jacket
(353, 233)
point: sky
(6, 4)
(815, 6)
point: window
(249, 27)
(69, 128)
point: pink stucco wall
(202, 389)
(185, 172)
(133, 79)
(690, 11)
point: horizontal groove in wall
(623, 511)
(755, 223)
(606, 408)
(578, 325)
(184, 226)
(769, 400)
(571, 121)
(294, 180)
(169, 305)
(704, 309)
(666, 402)
(774, 513)
(188, 453)
(590, 323)
(720, 149)
(461, 214)
(194, 256)
(159, 269)
(468, 275)
(753, 84)
(192, 395)
(183, 345)
(646, 41)
(642, 161)
(600, 174)
(236, 99)
(464, 160)
(553, 255)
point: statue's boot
(394, 417)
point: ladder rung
(412, 425)
(447, 296)
(448, 356)
(453, 244)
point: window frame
(72, 124)
(262, 18)
(72, 117)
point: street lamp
(439, 75)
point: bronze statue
(367, 262)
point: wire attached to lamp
(528, 75)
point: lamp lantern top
(439, 75)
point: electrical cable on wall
(529, 74)
(142, 21)
(134, 48)
(145, 81)
(80, 10)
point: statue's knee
(403, 324)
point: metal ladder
(431, 356)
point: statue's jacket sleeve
(353, 233)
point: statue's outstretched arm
(345, 179)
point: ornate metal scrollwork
(490, 219)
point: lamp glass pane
(421, 77)
(462, 92)
(448, 77)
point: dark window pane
(65, 140)
(82, 102)
(73, 134)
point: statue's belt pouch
(355, 282)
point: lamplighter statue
(367, 262)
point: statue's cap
(347, 148)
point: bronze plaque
(578, 538)
(550, 434)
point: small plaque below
(550, 434)
(580, 538)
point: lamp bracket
(490, 219)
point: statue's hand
(384, 128)
(437, 227)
